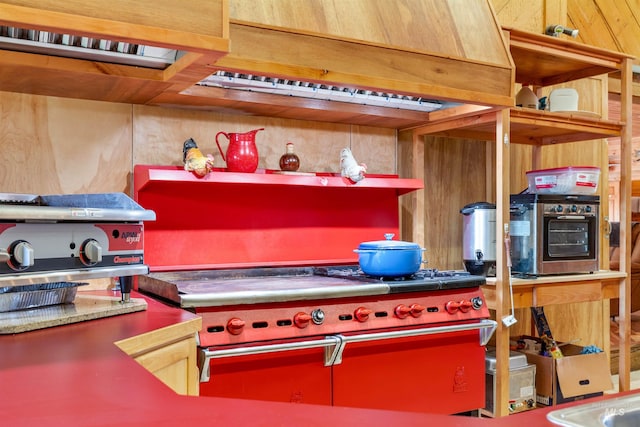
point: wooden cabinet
(199, 29)
(169, 354)
(544, 61)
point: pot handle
(218, 144)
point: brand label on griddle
(123, 237)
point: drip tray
(84, 307)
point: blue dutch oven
(389, 258)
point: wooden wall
(55, 145)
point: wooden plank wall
(56, 145)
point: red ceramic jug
(242, 153)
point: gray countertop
(211, 288)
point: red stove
(309, 329)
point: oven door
(570, 237)
(435, 369)
(283, 371)
(438, 369)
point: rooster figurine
(350, 168)
(194, 160)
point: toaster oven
(554, 234)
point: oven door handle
(333, 344)
(486, 327)
(571, 217)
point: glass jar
(289, 161)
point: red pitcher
(242, 153)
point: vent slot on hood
(302, 89)
(87, 48)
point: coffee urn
(479, 238)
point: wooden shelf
(528, 126)
(549, 290)
(543, 60)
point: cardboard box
(572, 377)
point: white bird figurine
(349, 167)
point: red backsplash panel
(228, 220)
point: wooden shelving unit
(542, 60)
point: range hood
(366, 62)
(450, 50)
(81, 47)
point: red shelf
(229, 219)
(148, 175)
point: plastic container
(567, 180)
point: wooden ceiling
(611, 25)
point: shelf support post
(503, 303)
(624, 368)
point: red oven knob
(416, 309)
(235, 326)
(465, 306)
(452, 307)
(362, 314)
(402, 311)
(301, 320)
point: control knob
(452, 307)
(402, 311)
(21, 255)
(301, 320)
(465, 306)
(362, 314)
(416, 310)
(90, 252)
(477, 303)
(235, 326)
(317, 316)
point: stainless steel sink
(618, 412)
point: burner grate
(355, 273)
(19, 199)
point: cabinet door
(439, 374)
(297, 376)
(175, 365)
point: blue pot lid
(388, 243)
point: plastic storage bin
(567, 180)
